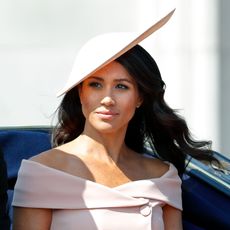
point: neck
(105, 145)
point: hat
(103, 49)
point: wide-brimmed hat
(103, 49)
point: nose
(107, 101)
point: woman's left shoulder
(156, 167)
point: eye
(95, 84)
(122, 86)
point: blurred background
(40, 38)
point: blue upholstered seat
(17, 145)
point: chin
(105, 128)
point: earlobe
(139, 103)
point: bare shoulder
(51, 158)
(155, 167)
(62, 159)
(51, 155)
(45, 157)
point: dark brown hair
(154, 124)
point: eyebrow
(116, 80)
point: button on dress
(82, 204)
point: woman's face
(109, 98)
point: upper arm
(31, 219)
(172, 218)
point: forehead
(113, 70)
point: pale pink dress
(85, 205)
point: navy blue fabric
(18, 145)
(204, 205)
(190, 226)
(4, 215)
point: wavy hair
(154, 123)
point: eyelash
(99, 85)
(95, 85)
(122, 86)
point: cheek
(88, 103)
(129, 105)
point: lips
(107, 114)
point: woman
(97, 176)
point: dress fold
(84, 204)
